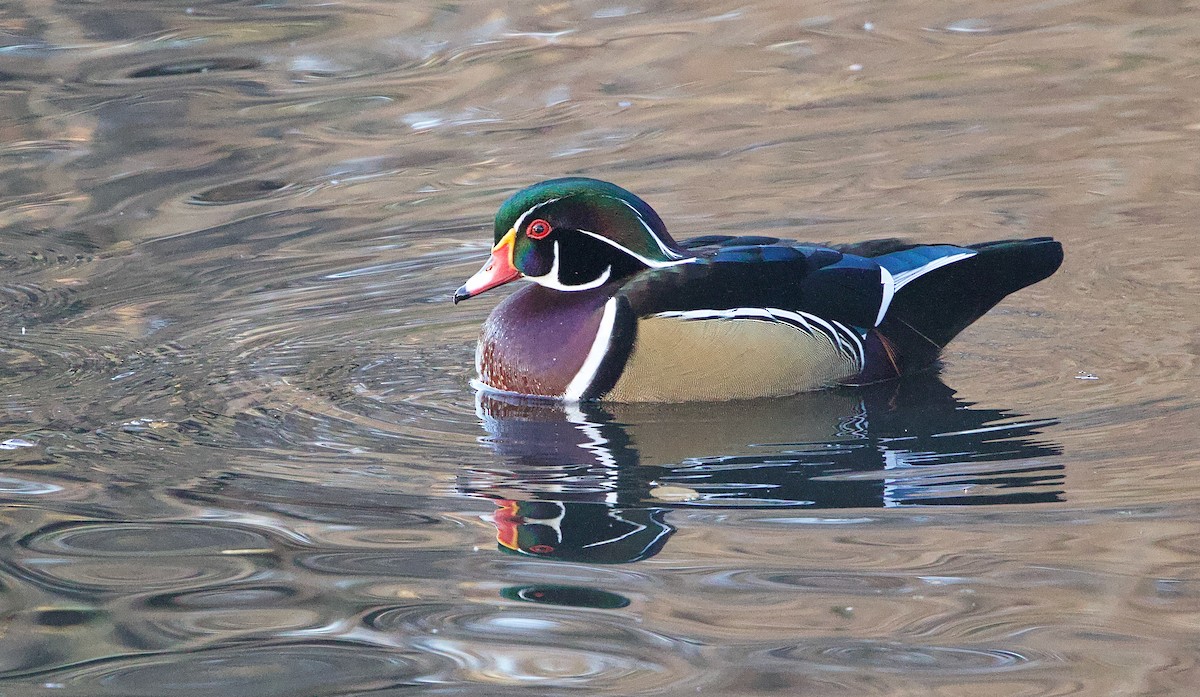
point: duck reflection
(595, 482)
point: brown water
(241, 457)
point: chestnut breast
(537, 339)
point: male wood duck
(621, 311)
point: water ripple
(237, 192)
(893, 657)
(10, 486)
(518, 625)
(559, 667)
(35, 303)
(195, 66)
(861, 583)
(159, 630)
(314, 668)
(401, 563)
(145, 539)
(541, 645)
(72, 578)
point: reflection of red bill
(497, 271)
(508, 523)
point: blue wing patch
(916, 262)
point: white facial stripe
(904, 277)
(551, 280)
(889, 289)
(521, 220)
(675, 257)
(648, 262)
(650, 231)
(587, 372)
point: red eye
(541, 549)
(538, 229)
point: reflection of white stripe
(554, 523)
(652, 263)
(587, 372)
(637, 527)
(893, 493)
(889, 289)
(596, 444)
(902, 279)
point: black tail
(933, 308)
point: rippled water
(240, 454)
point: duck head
(573, 234)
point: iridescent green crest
(593, 206)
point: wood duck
(621, 311)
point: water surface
(239, 453)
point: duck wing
(749, 273)
(754, 316)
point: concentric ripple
(854, 584)
(238, 192)
(196, 66)
(894, 657)
(13, 487)
(35, 303)
(146, 539)
(542, 646)
(535, 626)
(280, 670)
(106, 557)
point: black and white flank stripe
(845, 340)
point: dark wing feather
(933, 302)
(874, 248)
(928, 312)
(743, 272)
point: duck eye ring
(538, 229)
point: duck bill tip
(497, 271)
